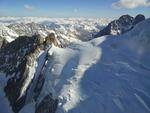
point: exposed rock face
(51, 39)
(3, 42)
(20, 55)
(18, 60)
(124, 24)
(48, 105)
(138, 19)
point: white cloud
(130, 4)
(28, 7)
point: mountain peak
(122, 25)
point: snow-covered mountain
(104, 75)
(80, 28)
(28, 29)
(108, 74)
(122, 25)
(66, 29)
(6, 35)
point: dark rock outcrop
(138, 19)
(47, 105)
(51, 39)
(18, 56)
(17, 59)
(3, 42)
(124, 24)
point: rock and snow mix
(104, 75)
(80, 28)
(7, 33)
(109, 74)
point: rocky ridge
(120, 26)
(23, 61)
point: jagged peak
(120, 26)
(138, 19)
(51, 39)
(125, 16)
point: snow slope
(105, 75)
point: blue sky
(74, 8)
